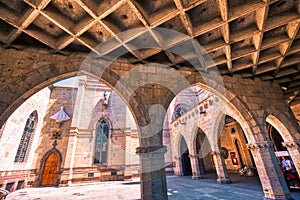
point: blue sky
(70, 82)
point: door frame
(42, 165)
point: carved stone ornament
(260, 145)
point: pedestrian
(287, 164)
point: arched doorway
(280, 151)
(284, 159)
(233, 143)
(50, 170)
(275, 136)
(203, 150)
(185, 158)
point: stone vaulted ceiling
(252, 38)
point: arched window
(101, 142)
(26, 137)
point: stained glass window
(26, 137)
(101, 142)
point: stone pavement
(181, 188)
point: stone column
(178, 166)
(273, 183)
(153, 175)
(221, 170)
(294, 149)
(67, 173)
(195, 167)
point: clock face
(179, 111)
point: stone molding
(177, 157)
(151, 150)
(194, 156)
(291, 144)
(260, 145)
(216, 153)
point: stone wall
(20, 172)
(53, 131)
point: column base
(223, 181)
(178, 174)
(197, 177)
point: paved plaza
(179, 188)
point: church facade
(96, 142)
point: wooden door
(50, 170)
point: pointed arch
(101, 142)
(185, 157)
(205, 146)
(280, 127)
(27, 137)
(42, 166)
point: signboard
(234, 158)
(281, 153)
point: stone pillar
(294, 149)
(272, 181)
(221, 170)
(195, 167)
(67, 173)
(178, 166)
(153, 175)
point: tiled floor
(246, 188)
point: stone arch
(287, 130)
(107, 120)
(193, 146)
(19, 98)
(177, 143)
(202, 151)
(42, 165)
(236, 107)
(289, 134)
(236, 115)
(185, 153)
(280, 127)
(110, 79)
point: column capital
(74, 131)
(177, 157)
(260, 145)
(291, 144)
(155, 149)
(216, 153)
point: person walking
(287, 164)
